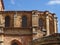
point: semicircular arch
(15, 42)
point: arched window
(40, 22)
(15, 42)
(24, 21)
(7, 21)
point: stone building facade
(21, 27)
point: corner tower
(1, 5)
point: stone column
(1, 37)
(47, 25)
(55, 24)
(1, 21)
(35, 20)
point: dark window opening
(40, 22)
(14, 43)
(7, 21)
(24, 21)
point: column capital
(46, 12)
(47, 16)
(55, 17)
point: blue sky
(41, 5)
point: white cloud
(12, 2)
(53, 2)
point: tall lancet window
(24, 21)
(7, 21)
(41, 23)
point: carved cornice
(17, 31)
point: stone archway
(16, 42)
